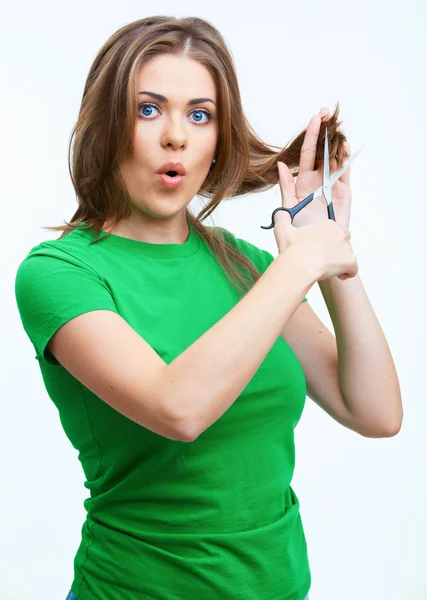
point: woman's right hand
(323, 248)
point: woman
(179, 356)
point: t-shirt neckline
(186, 249)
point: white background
(363, 501)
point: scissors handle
(293, 211)
(331, 214)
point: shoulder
(52, 286)
(49, 259)
(73, 248)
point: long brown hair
(103, 134)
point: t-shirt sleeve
(51, 288)
(260, 257)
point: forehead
(176, 78)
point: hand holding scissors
(325, 189)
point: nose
(174, 134)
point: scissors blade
(337, 174)
(326, 187)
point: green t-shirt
(212, 519)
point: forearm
(368, 379)
(209, 375)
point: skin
(178, 132)
(296, 189)
(171, 131)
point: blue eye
(148, 105)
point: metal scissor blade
(326, 188)
(337, 174)
(345, 166)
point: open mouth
(171, 179)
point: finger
(345, 177)
(308, 149)
(333, 165)
(324, 113)
(287, 186)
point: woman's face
(171, 130)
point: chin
(164, 209)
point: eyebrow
(189, 103)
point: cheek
(211, 139)
(143, 144)
(206, 150)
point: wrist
(302, 270)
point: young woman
(178, 355)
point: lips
(170, 182)
(171, 174)
(173, 167)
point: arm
(367, 374)
(208, 376)
(316, 349)
(181, 399)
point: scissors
(325, 189)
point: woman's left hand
(308, 180)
